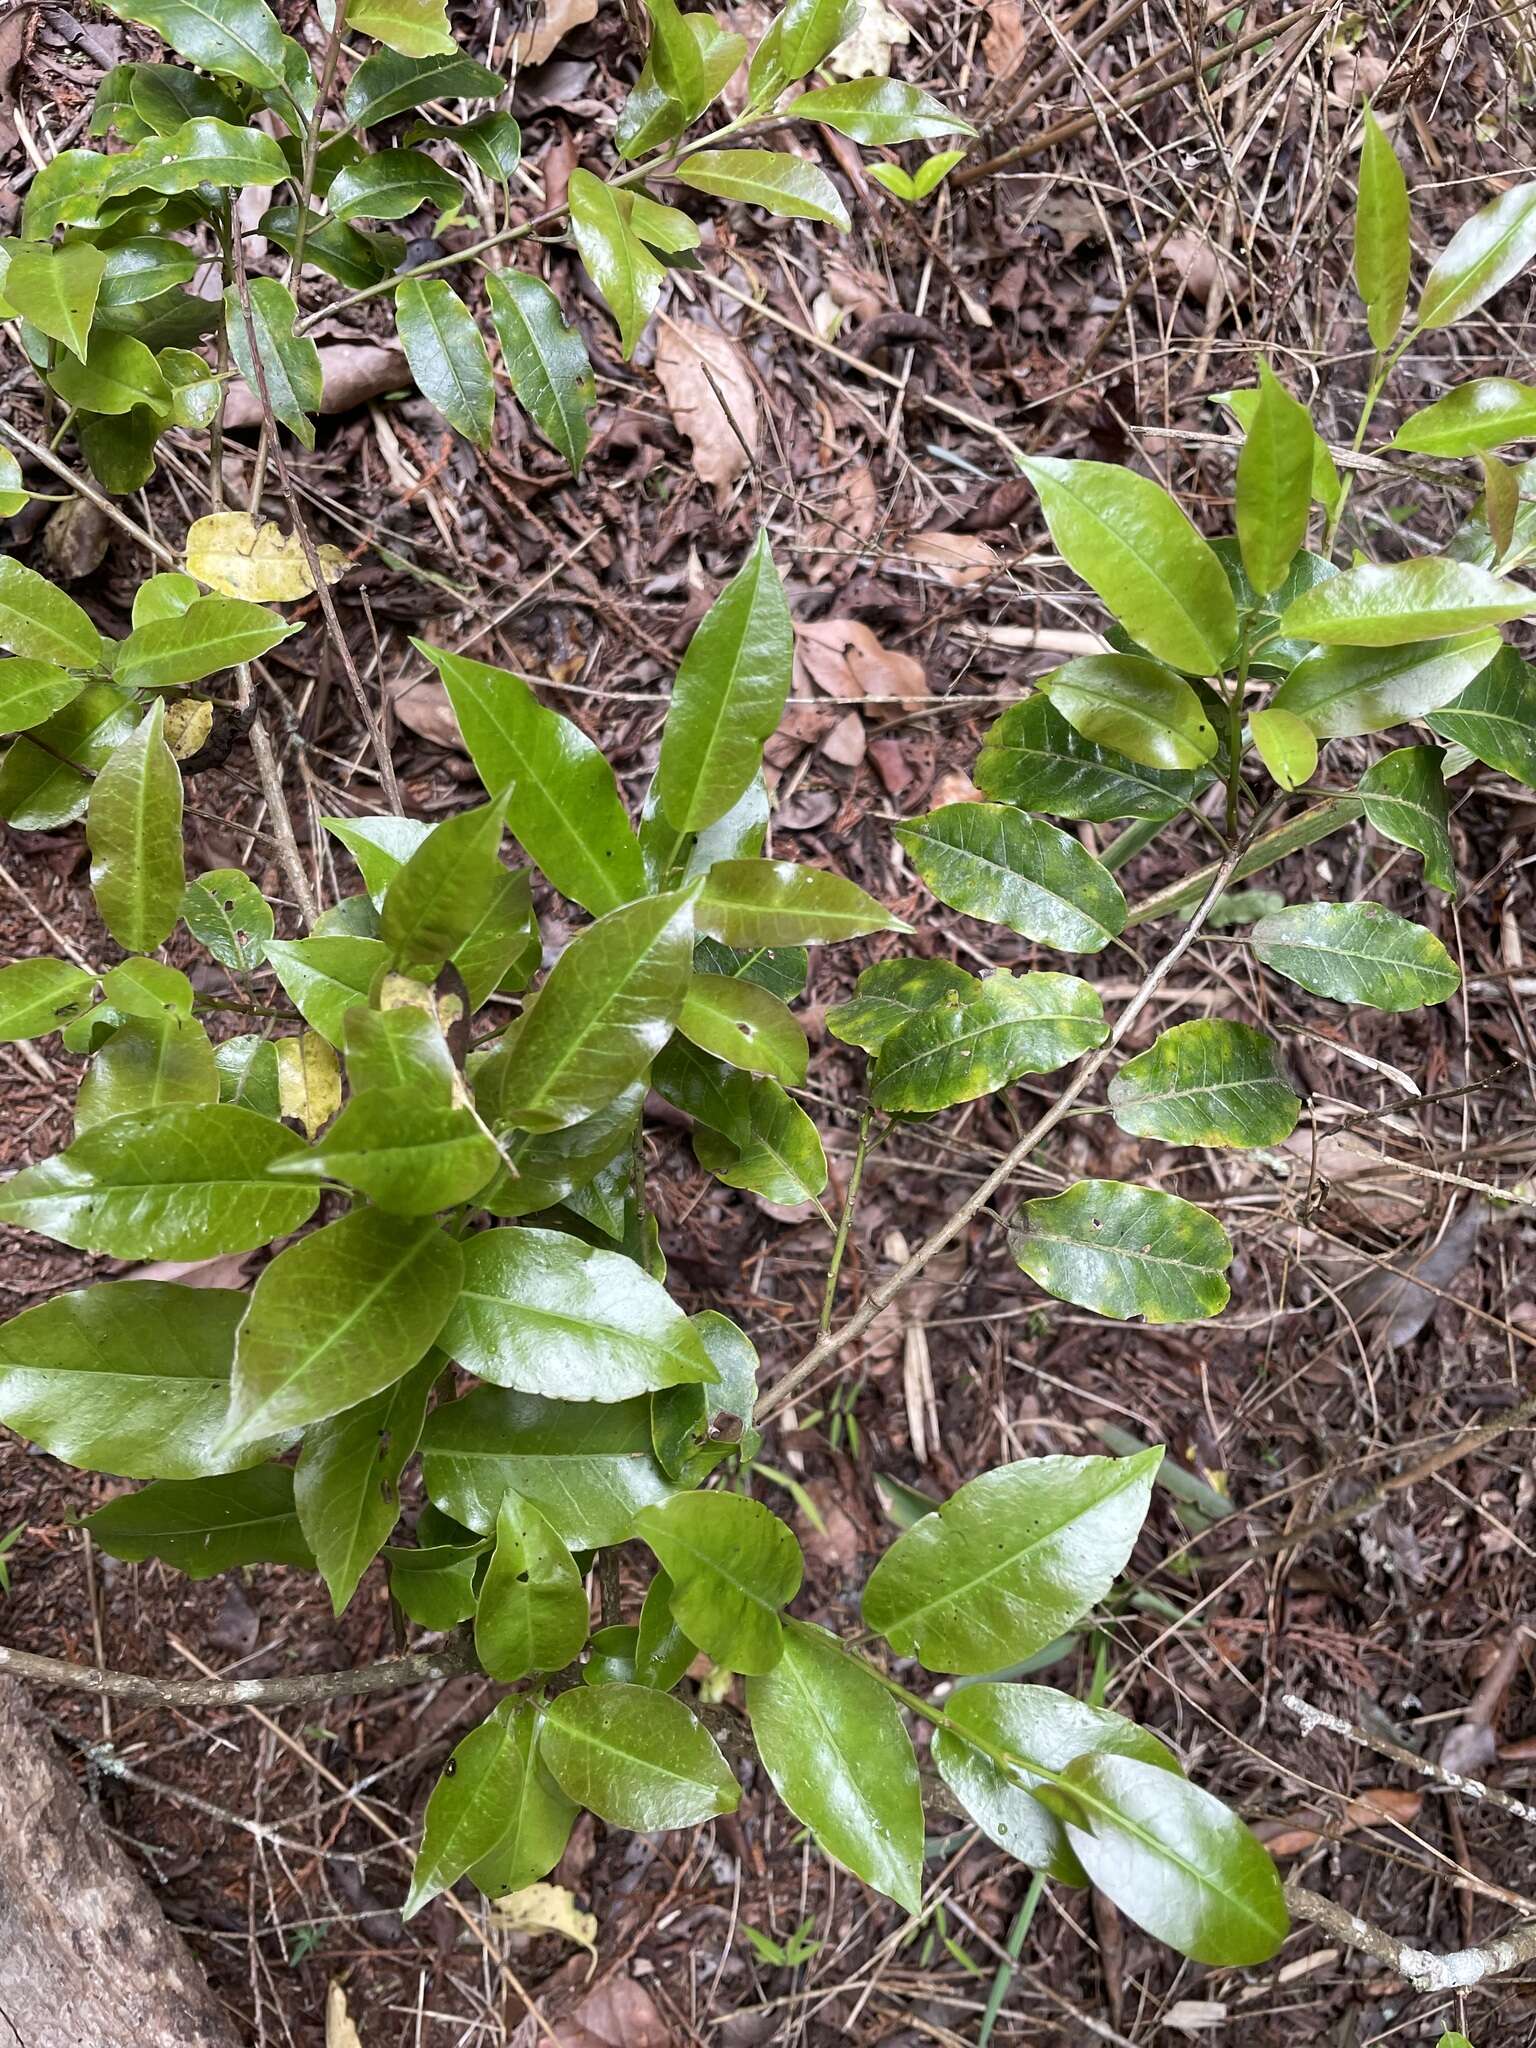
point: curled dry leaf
(843, 658)
(958, 559)
(530, 46)
(233, 553)
(846, 742)
(353, 372)
(712, 398)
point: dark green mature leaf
(1208, 1082)
(39, 996)
(120, 452)
(247, 1067)
(148, 1063)
(31, 691)
(626, 274)
(532, 1613)
(164, 97)
(589, 1466)
(203, 152)
(636, 1758)
(600, 1018)
(1404, 798)
(1494, 718)
(447, 356)
(747, 1130)
(435, 1586)
(290, 362)
(776, 903)
(539, 1817)
(1010, 1561)
(1125, 1251)
(999, 864)
(833, 1741)
(1130, 542)
(728, 697)
(388, 84)
(1376, 606)
(545, 360)
(1175, 1860)
(131, 1377)
(409, 1154)
(326, 977)
(693, 1427)
(878, 110)
(1481, 258)
(745, 1025)
(552, 1165)
(1286, 745)
(390, 185)
(804, 33)
(56, 289)
(119, 375)
(356, 257)
(207, 1526)
(211, 634)
(340, 1316)
(1357, 953)
(1274, 486)
(733, 1565)
(142, 268)
(1383, 252)
(565, 810)
(226, 912)
(1033, 758)
(1033, 1724)
(467, 1814)
(662, 1652)
(1341, 692)
(546, 1314)
(1135, 707)
(444, 889)
(786, 186)
(984, 1039)
(1486, 413)
(893, 992)
(346, 1490)
(239, 39)
(41, 623)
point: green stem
(1127, 844)
(1382, 371)
(1235, 738)
(840, 1242)
(1014, 1946)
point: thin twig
(451, 1661)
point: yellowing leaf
(243, 557)
(340, 2030)
(308, 1081)
(546, 1909)
(187, 726)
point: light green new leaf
(733, 1565)
(391, 1050)
(545, 360)
(415, 28)
(404, 1151)
(56, 289)
(1130, 542)
(674, 53)
(133, 828)
(786, 186)
(388, 84)
(346, 1490)
(985, 1038)
(804, 33)
(339, 1316)
(1326, 485)
(893, 992)
(1034, 758)
(41, 623)
(1274, 485)
(1487, 413)
(636, 1758)
(1357, 953)
(1386, 606)
(1494, 718)
(1135, 707)
(467, 1814)
(46, 785)
(211, 634)
(290, 362)
(1383, 252)
(39, 996)
(447, 356)
(532, 1613)
(444, 889)
(1481, 258)
(1208, 1082)
(878, 110)
(148, 1063)
(1404, 798)
(744, 1025)
(1286, 744)
(1342, 692)
(538, 1817)
(326, 977)
(239, 39)
(381, 846)
(626, 274)
(1125, 1251)
(207, 1526)
(391, 184)
(999, 864)
(226, 913)
(775, 903)
(833, 1741)
(1010, 1561)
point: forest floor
(1088, 297)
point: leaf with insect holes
(1357, 953)
(228, 915)
(744, 1025)
(1125, 1251)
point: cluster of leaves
(111, 240)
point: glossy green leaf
(212, 634)
(1487, 413)
(549, 1166)
(1357, 953)
(893, 992)
(878, 110)
(447, 356)
(776, 903)
(1001, 865)
(1383, 252)
(346, 1490)
(142, 268)
(388, 84)
(1274, 486)
(390, 1050)
(133, 828)
(1130, 542)
(1341, 692)
(381, 846)
(662, 1652)
(804, 33)
(13, 496)
(359, 258)
(1208, 1082)
(391, 184)
(326, 977)
(1494, 718)
(207, 1526)
(444, 889)
(148, 988)
(241, 39)
(247, 1069)
(118, 375)
(1286, 745)
(120, 451)
(39, 996)
(1404, 798)
(589, 1466)
(1135, 707)
(545, 360)
(733, 1566)
(435, 1586)
(1326, 486)
(532, 1613)
(467, 1814)
(416, 28)
(493, 143)
(747, 1131)
(786, 186)
(626, 274)
(1010, 1561)
(148, 1063)
(744, 1025)
(611, 1656)
(1483, 255)
(674, 54)
(226, 913)
(693, 1428)
(203, 152)
(636, 1758)
(405, 1152)
(984, 1039)
(663, 228)
(164, 96)
(538, 1817)
(41, 623)
(1125, 1251)
(56, 289)
(833, 1741)
(290, 362)
(1033, 758)
(1376, 606)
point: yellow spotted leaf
(546, 1909)
(187, 726)
(308, 1081)
(244, 557)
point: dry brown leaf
(958, 559)
(421, 703)
(712, 399)
(954, 787)
(619, 2014)
(555, 21)
(1379, 1807)
(1005, 42)
(843, 658)
(867, 52)
(340, 2030)
(353, 372)
(846, 742)
(1201, 265)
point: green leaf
(1175, 1861)
(1376, 606)
(41, 623)
(391, 1050)
(493, 144)
(40, 789)
(999, 864)
(532, 1613)
(359, 258)
(237, 38)
(1383, 252)
(389, 84)
(435, 1586)
(212, 634)
(326, 977)
(674, 54)
(985, 1038)
(1286, 744)
(346, 1490)
(131, 1377)
(339, 1316)
(538, 1817)
(733, 1565)
(148, 1063)
(1274, 485)
(833, 1741)
(1135, 707)
(39, 996)
(662, 1652)
(290, 362)
(247, 1067)
(692, 1428)
(444, 889)
(228, 915)
(1357, 953)
(1129, 541)
(56, 289)
(1342, 692)
(118, 375)
(391, 184)
(626, 274)
(204, 152)
(744, 1025)
(165, 97)
(207, 1526)
(786, 186)
(447, 357)
(405, 1152)
(1033, 758)
(549, 1166)
(1011, 1561)
(565, 810)
(804, 33)
(1125, 1251)
(416, 28)
(119, 451)
(728, 697)
(1325, 488)
(775, 903)
(467, 1813)
(133, 828)
(381, 846)
(747, 1131)
(664, 228)
(546, 1314)
(545, 360)
(1486, 413)
(1037, 1725)
(894, 992)
(636, 1758)
(69, 187)
(139, 269)
(597, 1022)
(1404, 798)
(1206, 1083)
(1494, 718)
(878, 110)
(1482, 257)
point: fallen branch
(451, 1661)
(1458, 1970)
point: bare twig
(1422, 1968)
(1312, 1718)
(451, 1661)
